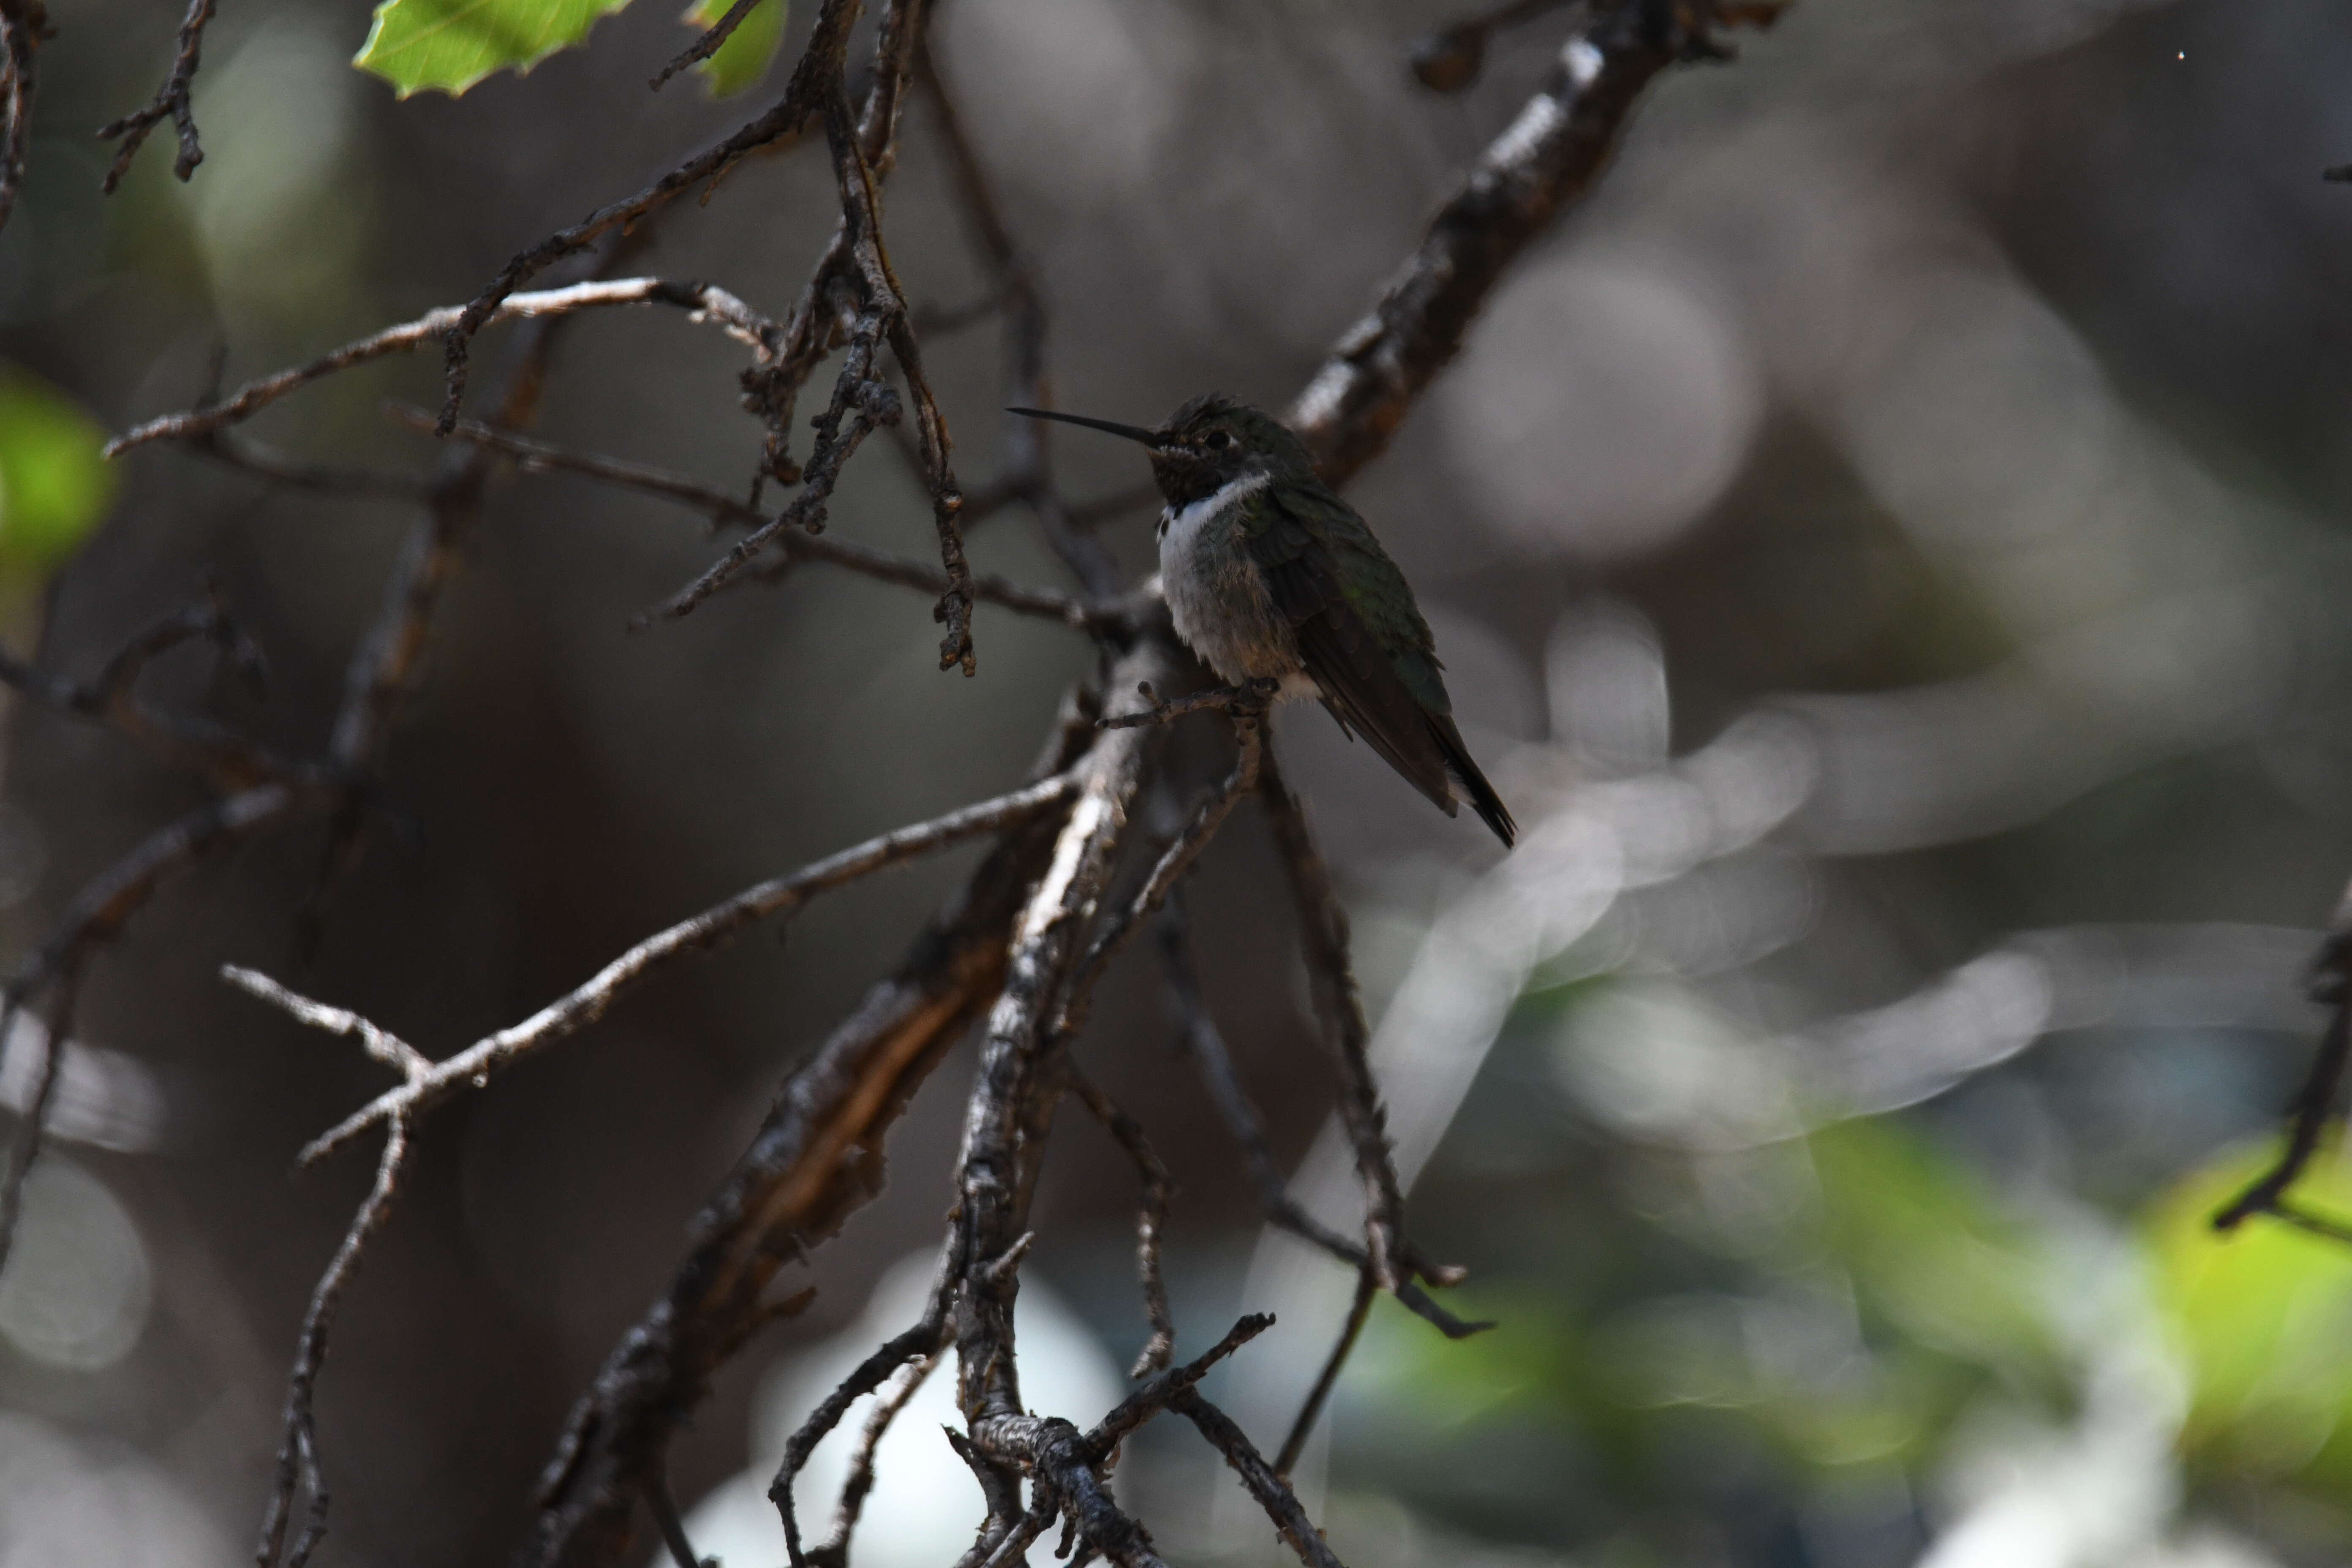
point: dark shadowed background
(1888, 546)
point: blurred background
(1888, 545)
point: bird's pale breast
(1216, 595)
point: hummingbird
(1270, 577)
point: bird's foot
(1250, 698)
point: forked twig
(299, 1471)
(170, 102)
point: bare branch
(1272, 1492)
(170, 102)
(1056, 1453)
(1137, 1408)
(778, 895)
(1548, 158)
(701, 301)
(862, 224)
(854, 263)
(797, 548)
(816, 1158)
(817, 75)
(23, 26)
(385, 667)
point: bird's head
(1206, 444)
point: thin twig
(795, 546)
(863, 400)
(299, 1469)
(1323, 942)
(817, 74)
(98, 911)
(1249, 733)
(1273, 1493)
(702, 49)
(1024, 474)
(1198, 1037)
(34, 1127)
(859, 1482)
(585, 1003)
(170, 102)
(380, 1045)
(1156, 1396)
(111, 697)
(701, 301)
(920, 1343)
(1366, 1287)
(1150, 1223)
(386, 667)
(2313, 1106)
(672, 1528)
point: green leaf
(749, 50)
(54, 486)
(417, 45)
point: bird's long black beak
(1109, 426)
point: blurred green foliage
(450, 45)
(750, 49)
(2260, 1317)
(1856, 1331)
(54, 486)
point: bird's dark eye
(1218, 441)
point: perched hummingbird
(1269, 575)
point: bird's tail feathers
(1474, 787)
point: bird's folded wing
(1358, 681)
